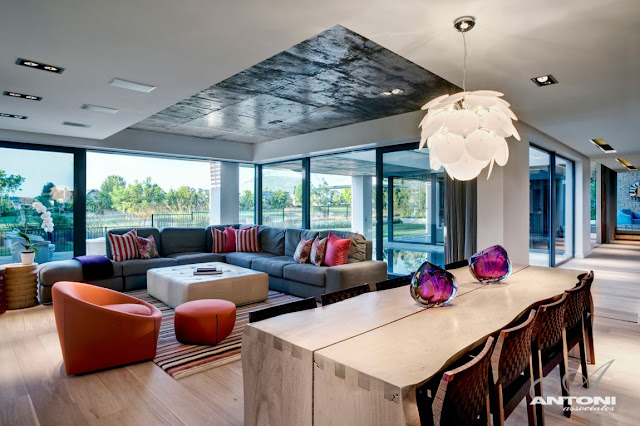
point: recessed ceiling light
(464, 23)
(19, 117)
(138, 87)
(72, 124)
(397, 91)
(544, 80)
(386, 93)
(98, 108)
(600, 143)
(23, 96)
(626, 164)
(39, 65)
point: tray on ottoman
(175, 285)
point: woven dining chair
(287, 308)
(347, 293)
(574, 330)
(548, 350)
(394, 283)
(588, 278)
(512, 371)
(463, 395)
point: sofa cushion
(182, 240)
(272, 240)
(306, 273)
(195, 257)
(141, 266)
(244, 259)
(67, 270)
(141, 232)
(358, 249)
(272, 265)
(208, 234)
(293, 236)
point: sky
(38, 168)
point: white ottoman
(175, 285)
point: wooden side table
(3, 306)
(21, 285)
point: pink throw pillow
(318, 250)
(129, 308)
(147, 247)
(230, 243)
(337, 250)
(219, 239)
(303, 251)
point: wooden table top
(413, 349)
(314, 329)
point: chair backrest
(286, 308)
(394, 282)
(340, 295)
(549, 323)
(587, 278)
(455, 265)
(462, 395)
(512, 352)
(575, 304)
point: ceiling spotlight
(23, 96)
(397, 91)
(38, 65)
(386, 93)
(464, 23)
(544, 80)
(604, 146)
(19, 117)
(125, 84)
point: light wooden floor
(35, 390)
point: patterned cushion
(318, 249)
(247, 240)
(124, 247)
(337, 250)
(303, 251)
(230, 243)
(147, 247)
(219, 240)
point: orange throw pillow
(337, 250)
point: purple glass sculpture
(491, 265)
(433, 286)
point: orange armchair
(101, 328)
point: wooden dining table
(360, 361)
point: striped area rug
(180, 360)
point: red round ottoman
(204, 322)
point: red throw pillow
(337, 250)
(124, 247)
(230, 243)
(247, 240)
(219, 240)
(130, 308)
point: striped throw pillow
(219, 240)
(247, 240)
(124, 247)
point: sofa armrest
(353, 274)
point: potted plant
(29, 252)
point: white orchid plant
(47, 221)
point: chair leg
(583, 363)
(589, 338)
(564, 379)
(537, 374)
(488, 406)
(498, 415)
(531, 412)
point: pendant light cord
(464, 64)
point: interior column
(224, 197)
(362, 205)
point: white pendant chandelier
(465, 132)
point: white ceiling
(591, 46)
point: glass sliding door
(412, 211)
(246, 197)
(551, 208)
(282, 194)
(44, 176)
(539, 207)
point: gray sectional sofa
(180, 246)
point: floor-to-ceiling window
(35, 175)
(551, 208)
(343, 192)
(246, 198)
(412, 210)
(282, 194)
